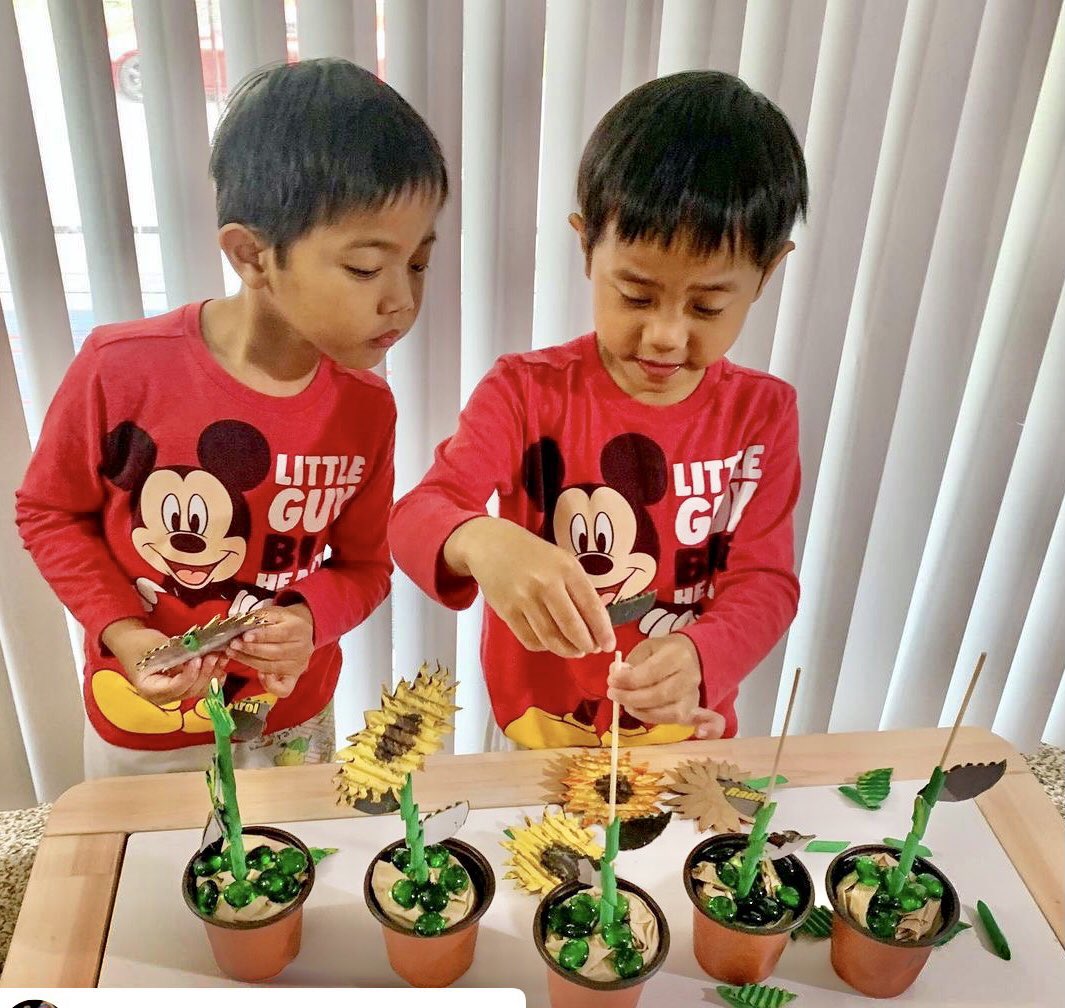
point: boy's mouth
(657, 371)
(388, 339)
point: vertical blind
(921, 317)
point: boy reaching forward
(237, 454)
(637, 457)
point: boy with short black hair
(237, 454)
(636, 458)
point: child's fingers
(281, 627)
(280, 686)
(551, 637)
(568, 620)
(267, 651)
(519, 626)
(592, 612)
(708, 724)
(652, 696)
(166, 687)
(654, 668)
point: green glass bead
(289, 890)
(622, 910)
(437, 856)
(789, 896)
(239, 893)
(557, 915)
(573, 955)
(226, 860)
(405, 893)
(617, 935)
(571, 929)
(270, 883)
(433, 898)
(291, 861)
(401, 858)
(261, 858)
(932, 885)
(910, 903)
(721, 908)
(883, 925)
(916, 890)
(729, 875)
(454, 878)
(206, 897)
(429, 924)
(868, 871)
(209, 864)
(583, 910)
(627, 963)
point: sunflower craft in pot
(428, 890)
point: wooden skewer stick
(964, 706)
(783, 735)
(614, 726)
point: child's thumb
(708, 724)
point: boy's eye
(418, 267)
(361, 273)
(705, 312)
(636, 302)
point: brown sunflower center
(399, 737)
(561, 862)
(602, 788)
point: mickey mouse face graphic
(606, 525)
(190, 524)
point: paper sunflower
(586, 788)
(709, 793)
(410, 725)
(546, 853)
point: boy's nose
(398, 298)
(666, 336)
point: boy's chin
(364, 358)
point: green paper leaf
(827, 846)
(994, 932)
(818, 925)
(755, 996)
(856, 796)
(953, 933)
(321, 853)
(921, 851)
(752, 854)
(875, 785)
(761, 783)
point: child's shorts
(314, 741)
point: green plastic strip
(890, 841)
(761, 783)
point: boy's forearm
(339, 598)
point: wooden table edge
(1029, 841)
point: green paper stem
(827, 846)
(994, 932)
(922, 811)
(608, 903)
(761, 783)
(418, 868)
(319, 854)
(222, 778)
(752, 856)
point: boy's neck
(256, 347)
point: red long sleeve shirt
(164, 489)
(693, 500)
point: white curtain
(921, 317)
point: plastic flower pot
(254, 950)
(436, 960)
(737, 953)
(881, 967)
(571, 990)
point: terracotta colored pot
(437, 960)
(571, 990)
(735, 953)
(881, 967)
(254, 950)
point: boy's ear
(576, 221)
(767, 273)
(246, 252)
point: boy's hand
(659, 684)
(539, 590)
(129, 640)
(279, 651)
